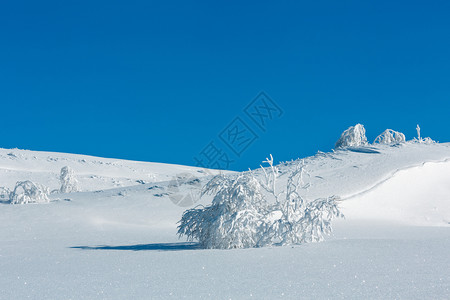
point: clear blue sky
(158, 81)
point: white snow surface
(117, 238)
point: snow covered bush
(354, 136)
(247, 211)
(29, 192)
(298, 220)
(233, 218)
(427, 141)
(390, 136)
(69, 183)
(421, 140)
(317, 218)
(4, 193)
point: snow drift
(413, 196)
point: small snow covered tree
(418, 133)
(249, 212)
(390, 136)
(29, 192)
(4, 194)
(232, 220)
(421, 140)
(354, 136)
(69, 183)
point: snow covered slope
(417, 196)
(407, 183)
(93, 173)
(117, 239)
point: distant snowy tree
(390, 136)
(29, 192)
(4, 193)
(421, 140)
(427, 141)
(249, 212)
(418, 133)
(69, 183)
(354, 136)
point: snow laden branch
(248, 211)
(268, 183)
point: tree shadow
(368, 150)
(146, 247)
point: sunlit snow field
(117, 239)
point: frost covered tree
(69, 183)
(4, 193)
(233, 218)
(354, 136)
(390, 136)
(418, 133)
(299, 221)
(421, 140)
(29, 192)
(316, 221)
(248, 211)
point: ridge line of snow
(75, 156)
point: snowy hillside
(93, 173)
(407, 183)
(117, 238)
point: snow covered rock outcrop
(354, 136)
(390, 136)
(29, 192)
(69, 183)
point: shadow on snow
(145, 247)
(369, 150)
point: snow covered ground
(117, 239)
